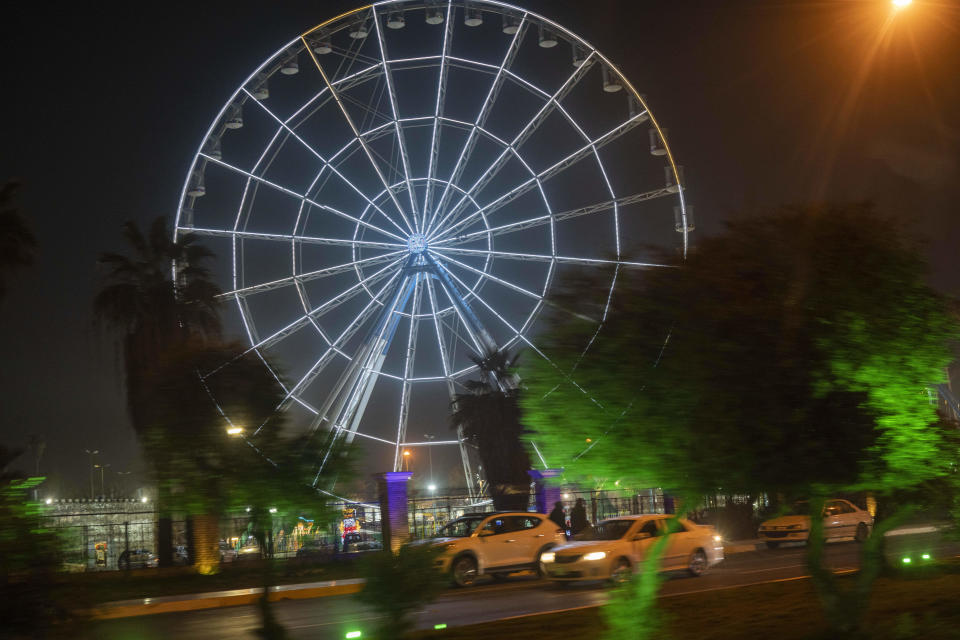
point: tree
(791, 354)
(33, 603)
(156, 310)
(18, 245)
(198, 394)
(489, 414)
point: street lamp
(901, 4)
(103, 491)
(92, 453)
(430, 437)
(406, 459)
(234, 431)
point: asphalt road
(333, 617)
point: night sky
(766, 102)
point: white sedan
(841, 519)
(615, 548)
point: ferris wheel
(400, 186)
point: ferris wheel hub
(417, 243)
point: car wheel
(464, 571)
(772, 545)
(862, 533)
(622, 571)
(698, 563)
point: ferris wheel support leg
(361, 378)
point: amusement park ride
(401, 186)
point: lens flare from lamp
(901, 4)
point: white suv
(495, 544)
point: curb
(217, 599)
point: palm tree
(17, 243)
(489, 414)
(154, 313)
(156, 309)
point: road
(333, 617)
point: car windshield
(800, 509)
(459, 528)
(606, 530)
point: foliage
(489, 416)
(791, 354)
(32, 603)
(152, 311)
(632, 612)
(797, 349)
(18, 245)
(399, 584)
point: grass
(903, 607)
(108, 586)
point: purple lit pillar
(392, 487)
(546, 493)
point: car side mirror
(641, 536)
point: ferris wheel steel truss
(421, 240)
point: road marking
(791, 566)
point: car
(227, 553)
(496, 544)
(137, 559)
(841, 519)
(615, 548)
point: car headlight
(717, 538)
(595, 555)
(549, 556)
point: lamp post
(406, 459)
(103, 490)
(92, 453)
(429, 437)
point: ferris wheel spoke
(310, 275)
(401, 138)
(491, 277)
(325, 163)
(528, 130)
(279, 237)
(437, 110)
(359, 138)
(304, 198)
(536, 257)
(326, 307)
(335, 347)
(588, 149)
(467, 150)
(537, 221)
(412, 335)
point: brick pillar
(546, 494)
(392, 487)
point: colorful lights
(441, 625)
(354, 634)
(906, 560)
(925, 556)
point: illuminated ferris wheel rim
(426, 235)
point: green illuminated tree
(790, 354)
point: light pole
(429, 437)
(103, 491)
(406, 459)
(92, 453)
